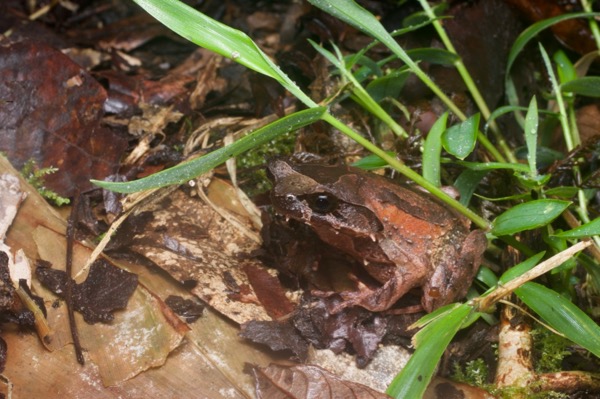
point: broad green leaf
(432, 149)
(585, 230)
(430, 344)
(566, 70)
(562, 191)
(487, 277)
(531, 135)
(528, 216)
(588, 86)
(459, 140)
(191, 169)
(387, 86)
(562, 315)
(521, 268)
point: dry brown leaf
(213, 349)
(196, 246)
(308, 382)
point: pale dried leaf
(307, 381)
(190, 241)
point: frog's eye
(322, 203)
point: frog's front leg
(454, 272)
(382, 298)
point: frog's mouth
(329, 212)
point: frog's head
(317, 194)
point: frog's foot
(373, 299)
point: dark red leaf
(51, 111)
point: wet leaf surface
(51, 112)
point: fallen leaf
(307, 381)
(277, 335)
(106, 289)
(188, 309)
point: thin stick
(69, 281)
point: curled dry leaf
(304, 381)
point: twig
(547, 265)
(69, 281)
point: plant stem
(587, 7)
(472, 87)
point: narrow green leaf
(433, 56)
(372, 162)
(531, 135)
(220, 38)
(352, 13)
(430, 344)
(521, 268)
(432, 149)
(588, 86)
(562, 315)
(209, 33)
(565, 192)
(191, 169)
(528, 216)
(528, 34)
(517, 167)
(585, 230)
(459, 140)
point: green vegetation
(35, 176)
(534, 204)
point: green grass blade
(191, 169)
(528, 34)
(220, 38)
(588, 86)
(586, 230)
(528, 216)
(208, 33)
(531, 135)
(430, 344)
(353, 14)
(562, 315)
